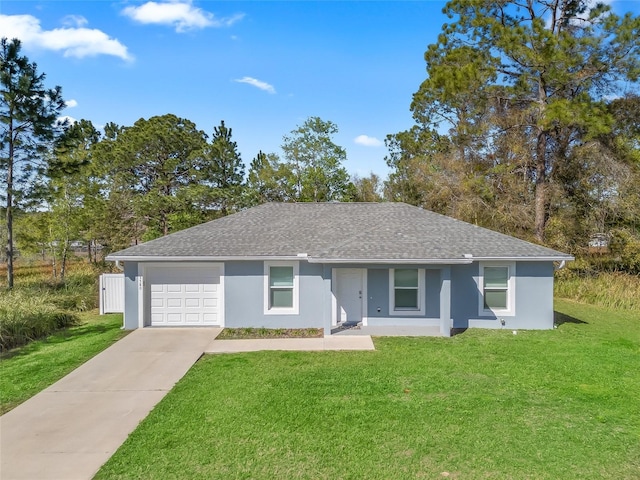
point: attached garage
(183, 295)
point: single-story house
(318, 265)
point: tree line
(69, 182)
(527, 123)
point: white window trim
(511, 290)
(420, 311)
(296, 290)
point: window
(281, 288)
(406, 292)
(497, 284)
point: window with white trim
(406, 291)
(281, 288)
(497, 289)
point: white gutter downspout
(561, 266)
(118, 266)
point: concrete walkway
(333, 342)
(69, 430)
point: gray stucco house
(317, 265)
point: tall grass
(25, 317)
(607, 289)
(39, 305)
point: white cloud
(367, 141)
(71, 103)
(66, 119)
(72, 41)
(257, 83)
(581, 18)
(180, 14)
(74, 21)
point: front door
(349, 294)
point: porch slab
(390, 331)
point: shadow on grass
(61, 336)
(457, 331)
(561, 318)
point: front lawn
(484, 404)
(26, 370)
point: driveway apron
(70, 429)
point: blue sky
(263, 66)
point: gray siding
(130, 295)
(534, 294)
(378, 313)
(378, 292)
(432, 281)
(464, 294)
(244, 297)
(533, 298)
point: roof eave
(201, 258)
(394, 261)
(543, 258)
(380, 261)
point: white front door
(350, 294)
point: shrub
(582, 282)
(39, 305)
(25, 317)
(626, 250)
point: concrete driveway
(70, 429)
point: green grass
(27, 370)
(484, 404)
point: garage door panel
(210, 302)
(175, 317)
(183, 296)
(192, 317)
(174, 302)
(192, 302)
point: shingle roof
(343, 232)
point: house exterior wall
(130, 295)
(533, 298)
(378, 308)
(244, 297)
(534, 291)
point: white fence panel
(111, 293)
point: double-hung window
(406, 292)
(497, 288)
(281, 288)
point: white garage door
(184, 295)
